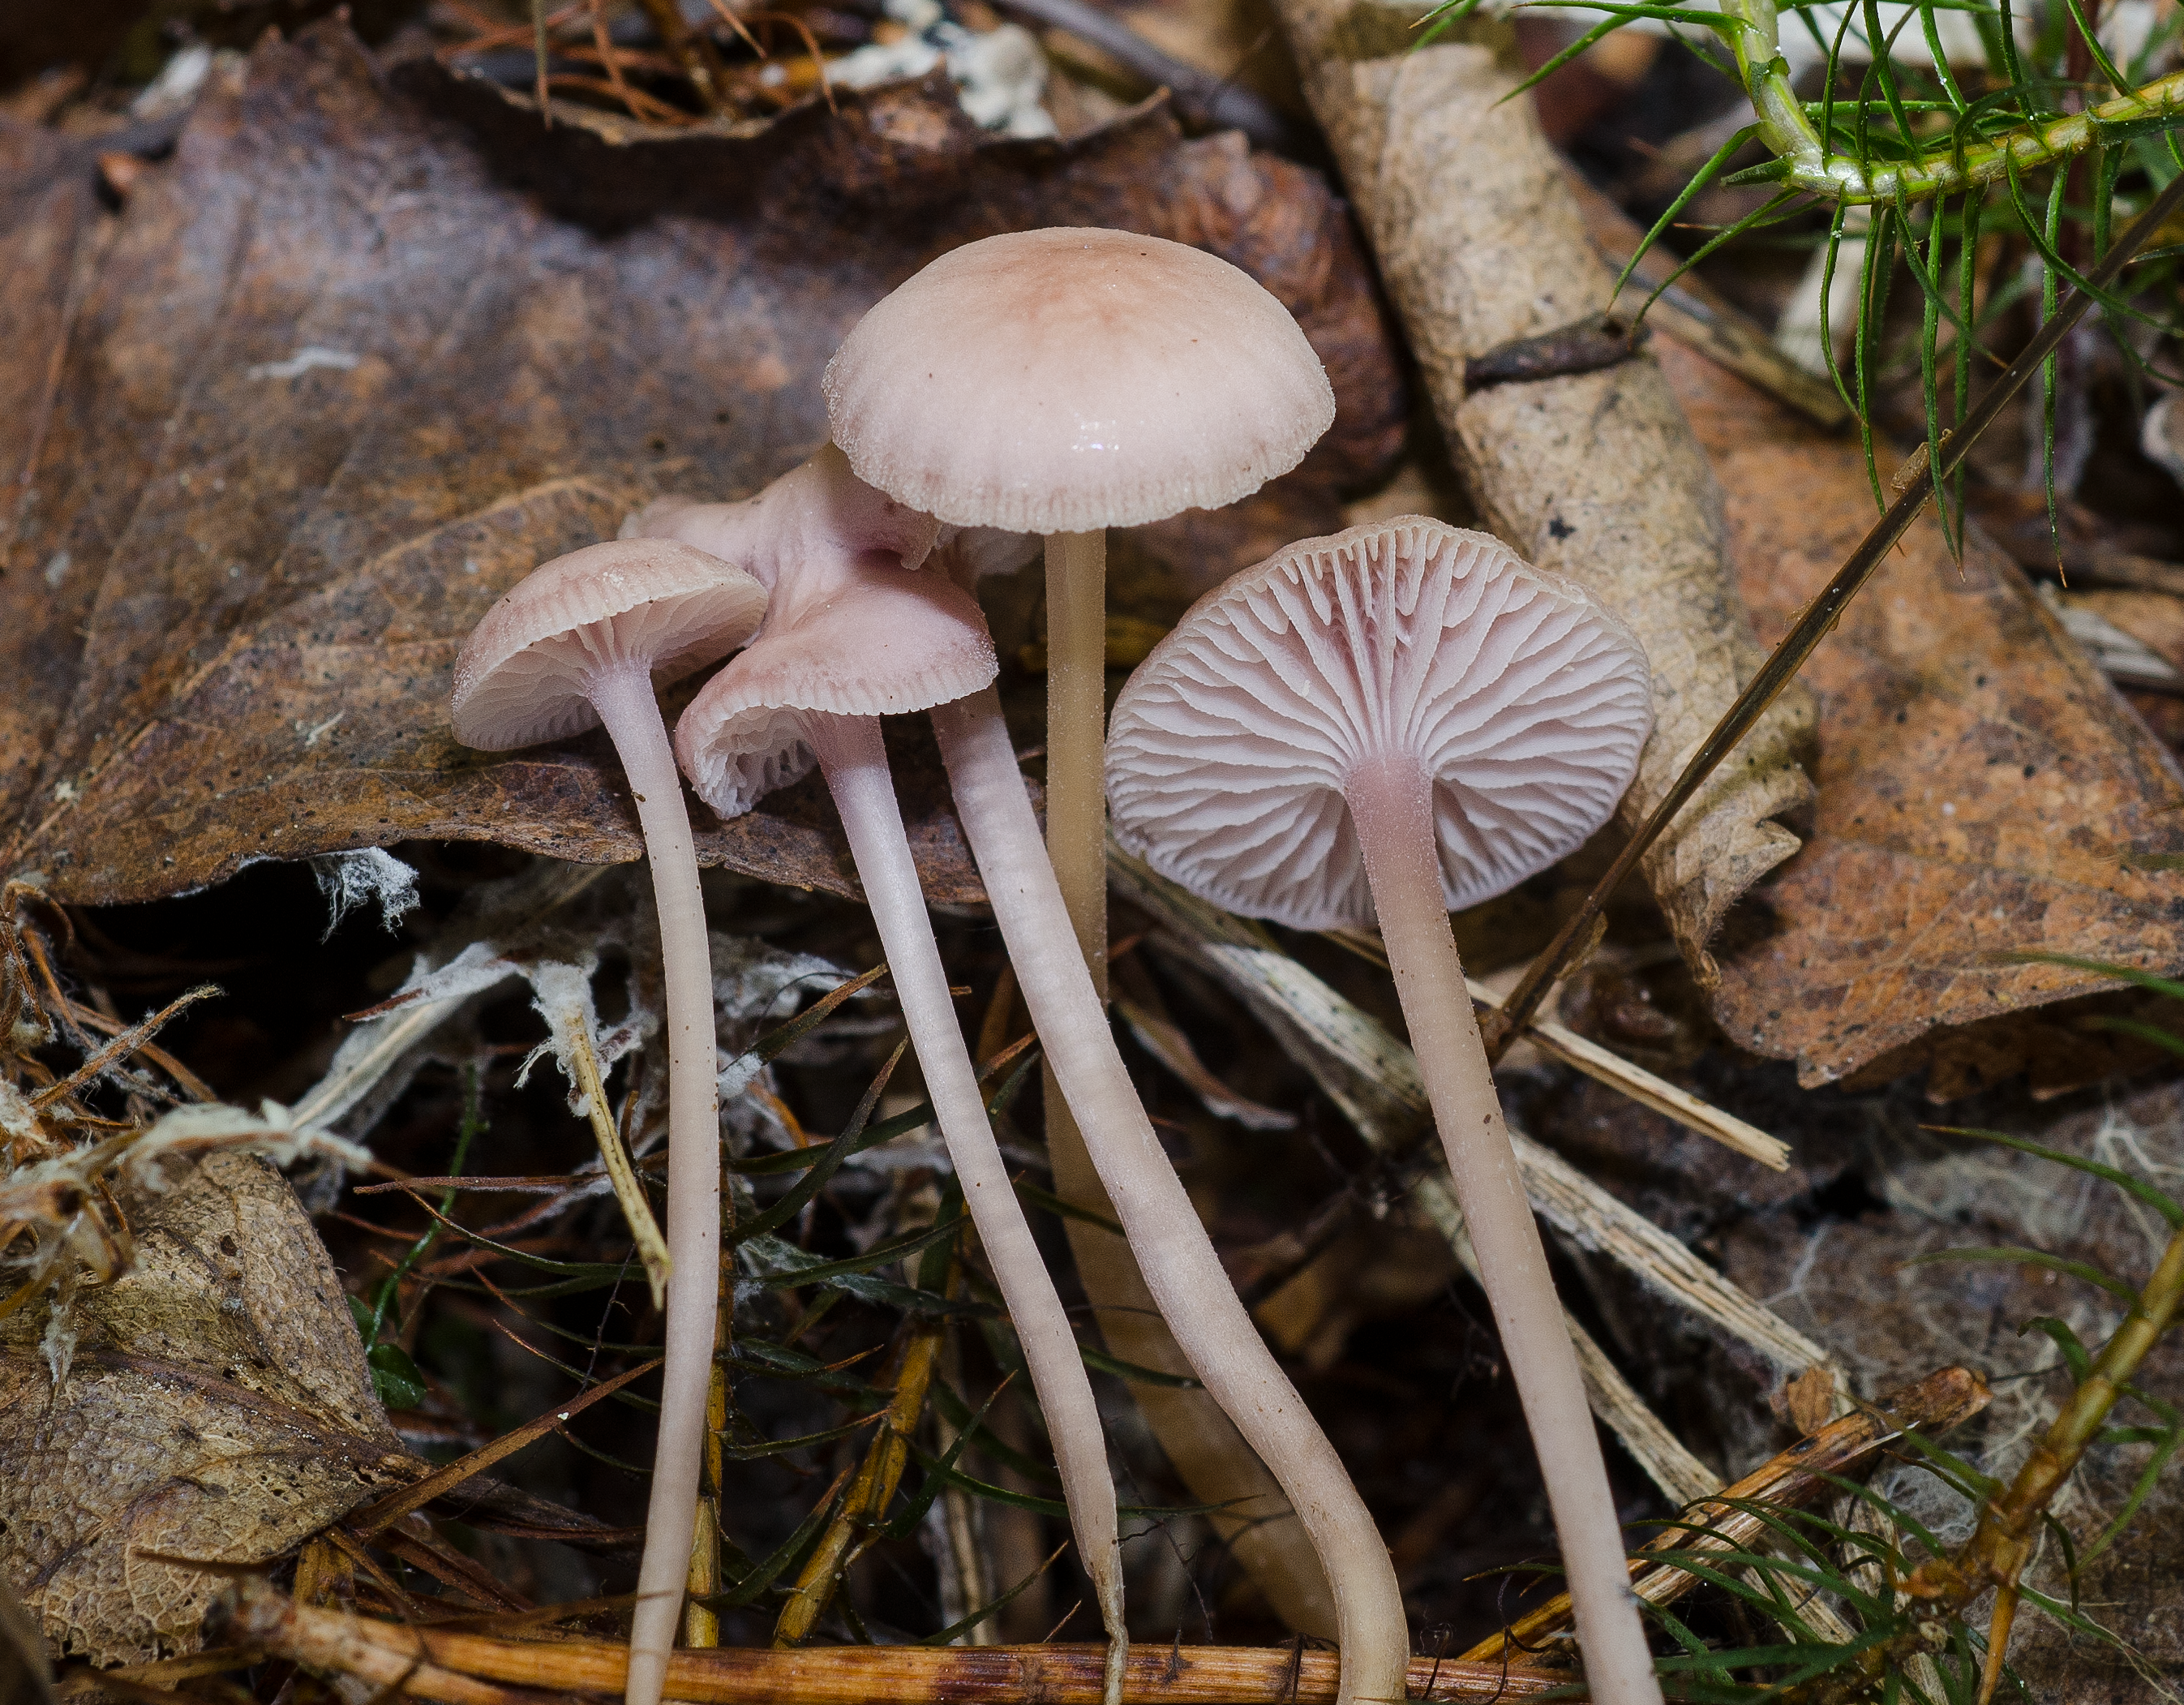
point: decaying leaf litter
(353, 487)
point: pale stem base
(1173, 1251)
(855, 762)
(1391, 802)
(628, 706)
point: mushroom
(1061, 382)
(1399, 720)
(585, 640)
(850, 635)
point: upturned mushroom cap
(1523, 699)
(1069, 380)
(819, 507)
(525, 674)
(859, 638)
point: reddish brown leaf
(1981, 783)
(365, 352)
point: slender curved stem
(1391, 802)
(1180, 1268)
(1252, 1518)
(855, 762)
(627, 705)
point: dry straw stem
(872, 1489)
(1596, 474)
(636, 1208)
(1786, 1481)
(1374, 1079)
(701, 1626)
(1560, 1042)
(476, 1669)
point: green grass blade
(2034, 1257)
(1705, 174)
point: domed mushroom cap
(525, 674)
(1069, 380)
(1230, 747)
(873, 640)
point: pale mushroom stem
(1077, 736)
(1077, 805)
(1391, 803)
(1180, 1268)
(627, 705)
(854, 761)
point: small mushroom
(1061, 382)
(1400, 720)
(849, 637)
(585, 640)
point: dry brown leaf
(1980, 783)
(363, 354)
(1595, 476)
(217, 1405)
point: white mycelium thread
(1230, 747)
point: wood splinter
(475, 1669)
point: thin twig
(475, 1669)
(1793, 1477)
(874, 1487)
(635, 1205)
(1559, 1042)
(376, 1517)
(127, 1042)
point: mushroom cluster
(1384, 724)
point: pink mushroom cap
(525, 674)
(817, 509)
(1524, 701)
(1069, 380)
(861, 639)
